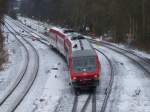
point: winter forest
(74, 56)
(124, 20)
(3, 10)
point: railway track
(14, 97)
(93, 95)
(143, 63)
(144, 59)
(90, 97)
(21, 74)
(140, 61)
(89, 101)
(109, 88)
(39, 37)
(136, 59)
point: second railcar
(83, 62)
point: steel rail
(36, 67)
(22, 74)
(109, 89)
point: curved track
(21, 74)
(145, 60)
(140, 61)
(21, 88)
(76, 98)
(143, 63)
(30, 31)
(108, 90)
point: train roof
(69, 33)
(82, 48)
(80, 45)
(84, 53)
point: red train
(83, 62)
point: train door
(53, 39)
(60, 44)
(66, 50)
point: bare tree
(123, 18)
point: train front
(85, 69)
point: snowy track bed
(145, 65)
(34, 34)
(131, 80)
(84, 103)
(65, 106)
(51, 82)
(140, 61)
(101, 95)
(109, 79)
(15, 72)
(93, 100)
(129, 92)
(19, 90)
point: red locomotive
(83, 62)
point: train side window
(66, 49)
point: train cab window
(82, 64)
(69, 31)
(78, 37)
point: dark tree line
(3, 9)
(123, 18)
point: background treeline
(122, 19)
(3, 10)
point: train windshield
(83, 64)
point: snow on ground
(34, 24)
(126, 47)
(131, 85)
(62, 103)
(142, 54)
(130, 92)
(136, 51)
(52, 81)
(40, 26)
(104, 79)
(10, 73)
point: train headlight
(85, 74)
(96, 76)
(74, 78)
